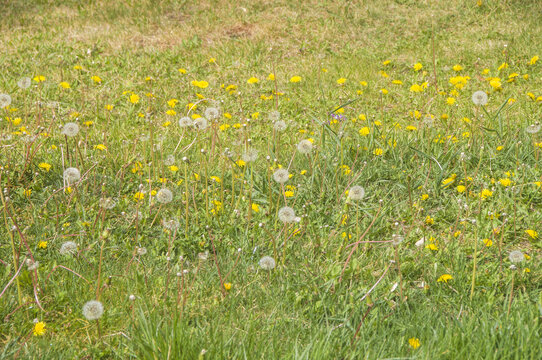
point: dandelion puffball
(24, 83)
(281, 175)
(287, 215)
(185, 122)
(164, 196)
(479, 98)
(70, 129)
(274, 116)
(267, 263)
(201, 123)
(533, 128)
(516, 256)
(304, 146)
(356, 193)
(93, 310)
(68, 248)
(250, 155)
(5, 100)
(211, 113)
(280, 126)
(107, 203)
(71, 175)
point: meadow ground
(270, 179)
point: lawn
(271, 179)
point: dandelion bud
(179, 274)
(131, 297)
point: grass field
(271, 179)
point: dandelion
(356, 193)
(172, 224)
(141, 251)
(287, 215)
(280, 126)
(107, 203)
(32, 265)
(68, 248)
(444, 278)
(70, 129)
(267, 263)
(281, 175)
(164, 196)
(42, 245)
(295, 79)
(532, 233)
(533, 128)
(201, 123)
(45, 166)
(93, 310)
(211, 113)
(24, 83)
(304, 146)
(203, 255)
(274, 116)
(479, 98)
(71, 175)
(185, 122)
(5, 100)
(414, 343)
(250, 155)
(39, 329)
(516, 256)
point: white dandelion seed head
(32, 265)
(185, 122)
(533, 128)
(274, 116)
(287, 215)
(71, 175)
(170, 160)
(171, 224)
(107, 203)
(131, 297)
(201, 123)
(516, 256)
(397, 239)
(5, 100)
(212, 113)
(280, 126)
(304, 146)
(141, 251)
(93, 310)
(164, 196)
(250, 155)
(281, 175)
(267, 263)
(356, 193)
(68, 248)
(70, 129)
(24, 83)
(479, 98)
(203, 255)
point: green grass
(325, 299)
